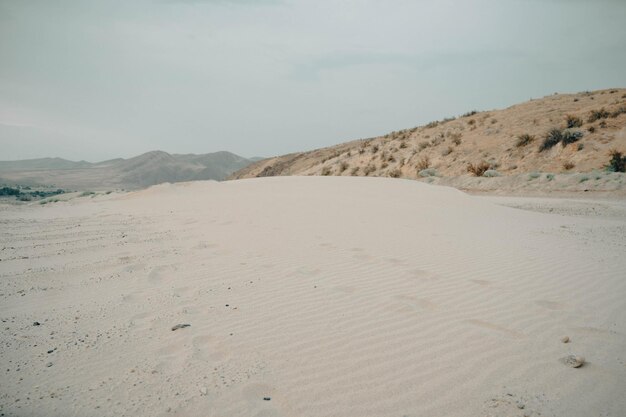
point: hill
(561, 133)
(141, 171)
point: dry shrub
(423, 163)
(525, 139)
(478, 169)
(597, 115)
(573, 121)
(567, 165)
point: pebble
(266, 398)
(573, 361)
(36, 323)
(565, 339)
(204, 390)
(180, 326)
(49, 364)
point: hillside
(509, 142)
(141, 171)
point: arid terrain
(507, 149)
(313, 296)
(142, 171)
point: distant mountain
(42, 164)
(148, 169)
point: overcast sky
(101, 79)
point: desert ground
(313, 296)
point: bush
(567, 165)
(395, 173)
(423, 163)
(617, 163)
(525, 139)
(470, 113)
(369, 169)
(553, 137)
(597, 115)
(569, 136)
(617, 112)
(591, 129)
(456, 138)
(326, 171)
(343, 166)
(478, 169)
(8, 191)
(573, 121)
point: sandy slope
(491, 137)
(330, 296)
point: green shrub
(569, 136)
(553, 137)
(617, 163)
(573, 121)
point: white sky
(102, 79)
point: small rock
(266, 398)
(520, 406)
(36, 323)
(180, 326)
(565, 339)
(204, 390)
(50, 351)
(573, 361)
(49, 364)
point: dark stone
(180, 326)
(266, 398)
(36, 323)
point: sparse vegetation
(423, 163)
(326, 171)
(617, 163)
(597, 115)
(343, 166)
(456, 138)
(569, 136)
(567, 165)
(478, 169)
(470, 113)
(369, 169)
(354, 171)
(525, 139)
(591, 129)
(395, 173)
(573, 121)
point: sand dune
(311, 296)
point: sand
(311, 296)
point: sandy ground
(312, 296)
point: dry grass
(423, 163)
(478, 169)
(525, 139)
